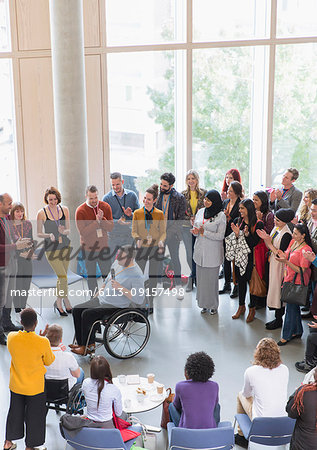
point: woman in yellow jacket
(149, 233)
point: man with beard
(123, 203)
(173, 205)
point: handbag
(295, 294)
(257, 285)
(165, 413)
(122, 426)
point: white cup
(122, 379)
(127, 403)
(150, 378)
(140, 397)
(159, 389)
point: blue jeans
(292, 322)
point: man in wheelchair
(123, 288)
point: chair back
(94, 439)
(271, 431)
(207, 439)
(56, 391)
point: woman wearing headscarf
(209, 227)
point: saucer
(156, 397)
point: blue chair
(207, 439)
(268, 431)
(44, 277)
(98, 438)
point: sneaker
(212, 312)
(180, 293)
(302, 366)
(203, 311)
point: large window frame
(263, 109)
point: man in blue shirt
(123, 203)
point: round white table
(129, 391)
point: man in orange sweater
(29, 354)
(93, 221)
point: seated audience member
(294, 260)
(115, 294)
(197, 396)
(264, 393)
(289, 196)
(100, 394)
(65, 364)
(30, 354)
(102, 398)
(302, 406)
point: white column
(67, 38)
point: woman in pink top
(294, 259)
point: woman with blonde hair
(194, 196)
(304, 210)
(22, 228)
(264, 393)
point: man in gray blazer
(289, 196)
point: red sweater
(88, 226)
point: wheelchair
(125, 333)
(57, 395)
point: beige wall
(32, 73)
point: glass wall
(295, 113)
(222, 87)
(141, 116)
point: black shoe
(18, 310)
(307, 315)
(234, 292)
(303, 366)
(221, 274)
(12, 327)
(274, 324)
(60, 312)
(305, 309)
(240, 440)
(3, 339)
(226, 288)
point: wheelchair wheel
(126, 334)
(76, 401)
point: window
(295, 113)
(134, 125)
(222, 85)
(296, 18)
(5, 43)
(8, 179)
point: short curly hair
(267, 354)
(199, 367)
